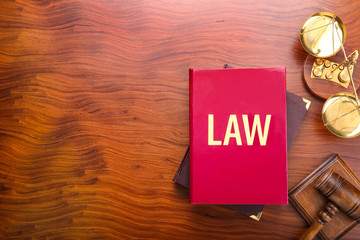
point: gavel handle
(324, 217)
(311, 232)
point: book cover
(238, 136)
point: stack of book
(242, 123)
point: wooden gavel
(341, 194)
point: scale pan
(341, 115)
(322, 34)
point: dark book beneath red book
(238, 136)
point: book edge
(191, 75)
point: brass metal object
(318, 36)
(323, 35)
(256, 217)
(327, 64)
(344, 76)
(319, 61)
(341, 115)
(317, 72)
(308, 103)
(330, 73)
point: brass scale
(323, 36)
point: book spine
(191, 76)
(286, 135)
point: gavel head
(338, 190)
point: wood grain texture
(94, 113)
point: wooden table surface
(94, 113)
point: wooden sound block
(309, 201)
(324, 88)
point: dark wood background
(94, 113)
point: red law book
(238, 136)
